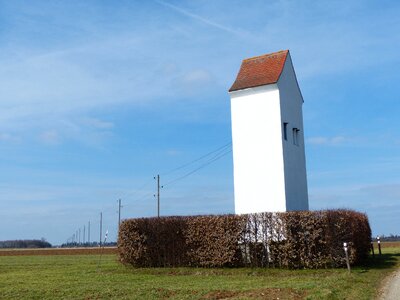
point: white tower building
(268, 137)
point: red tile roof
(260, 70)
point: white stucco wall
(269, 171)
(257, 150)
(294, 155)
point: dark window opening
(296, 136)
(285, 131)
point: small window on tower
(285, 131)
(296, 136)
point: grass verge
(83, 277)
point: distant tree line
(389, 238)
(88, 245)
(25, 244)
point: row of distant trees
(25, 244)
(389, 238)
(92, 244)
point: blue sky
(97, 97)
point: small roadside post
(372, 249)
(347, 256)
(379, 245)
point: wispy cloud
(363, 197)
(193, 81)
(327, 141)
(197, 76)
(50, 137)
(201, 19)
(96, 75)
(98, 124)
(82, 77)
(375, 199)
(7, 137)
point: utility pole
(119, 212)
(158, 195)
(88, 232)
(101, 225)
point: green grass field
(81, 277)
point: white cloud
(196, 76)
(327, 141)
(50, 137)
(379, 201)
(103, 68)
(98, 124)
(357, 195)
(387, 192)
(6, 137)
(326, 38)
(38, 88)
(192, 82)
(89, 131)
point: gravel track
(391, 290)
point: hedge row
(311, 239)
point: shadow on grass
(384, 261)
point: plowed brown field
(58, 251)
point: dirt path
(391, 289)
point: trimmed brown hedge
(153, 242)
(212, 241)
(310, 239)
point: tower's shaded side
(268, 136)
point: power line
(145, 196)
(215, 158)
(101, 227)
(209, 158)
(139, 189)
(216, 151)
(197, 159)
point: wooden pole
(101, 227)
(158, 195)
(119, 213)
